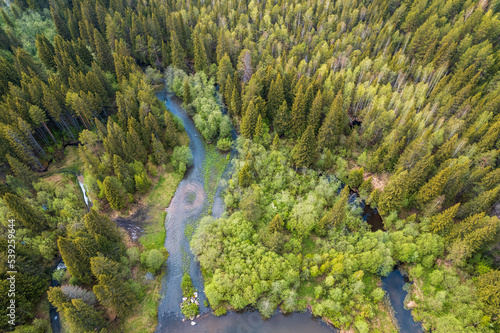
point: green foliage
(182, 158)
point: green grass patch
(213, 167)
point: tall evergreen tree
(200, 56)
(177, 54)
(329, 132)
(25, 213)
(275, 97)
(298, 119)
(249, 120)
(304, 151)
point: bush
(133, 255)
(154, 260)
(182, 158)
(224, 144)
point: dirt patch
(411, 305)
(379, 181)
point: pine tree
(276, 224)
(282, 120)
(316, 111)
(298, 121)
(418, 174)
(176, 51)
(442, 222)
(224, 69)
(200, 56)
(483, 202)
(249, 120)
(105, 232)
(45, 51)
(73, 260)
(304, 151)
(115, 193)
(259, 132)
(158, 151)
(186, 96)
(329, 132)
(275, 97)
(394, 193)
(235, 101)
(112, 291)
(25, 213)
(244, 176)
(103, 53)
(21, 171)
(433, 188)
(82, 317)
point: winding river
(188, 205)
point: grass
(158, 200)
(213, 167)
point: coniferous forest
(312, 114)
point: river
(183, 210)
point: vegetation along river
(189, 204)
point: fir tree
(394, 193)
(275, 98)
(249, 120)
(329, 132)
(177, 52)
(276, 224)
(298, 115)
(115, 193)
(200, 56)
(21, 171)
(235, 101)
(103, 53)
(244, 176)
(282, 120)
(442, 222)
(433, 188)
(25, 213)
(304, 151)
(316, 111)
(158, 151)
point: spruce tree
(442, 222)
(200, 56)
(103, 53)
(433, 188)
(24, 212)
(158, 151)
(394, 193)
(112, 291)
(244, 176)
(115, 193)
(304, 151)
(21, 171)
(45, 51)
(249, 120)
(275, 98)
(329, 132)
(282, 120)
(186, 95)
(316, 111)
(235, 101)
(276, 224)
(176, 51)
(259, 132)
(298, 119)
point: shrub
(133, 255)
(182, 158)
(154, 260)
(224, 144)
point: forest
(390, 103)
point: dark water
(393, 285)
(251, 322)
